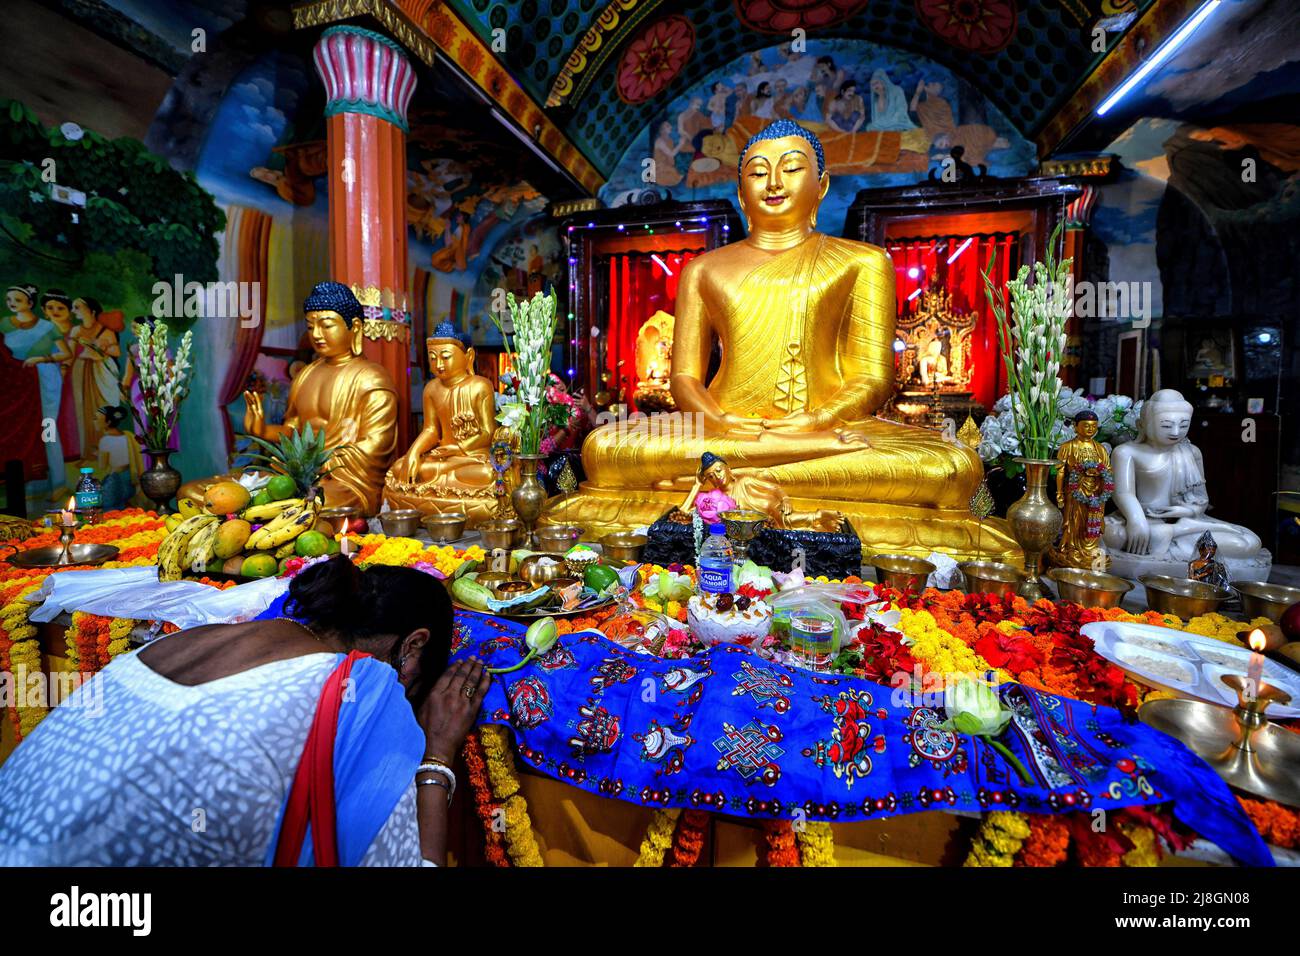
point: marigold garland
(1048, 843)
(688, 840)
(520, 842)
(999, 839)
(778, 847)
(1277, 824)
(658, 838)
(816, 844)
(484, 805)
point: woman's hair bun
(327, 594)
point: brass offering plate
(1272, 771)
(51, 556)
(538, 612)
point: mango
(231, 538)
(226, 498)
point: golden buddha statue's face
(779, 187)
(718, 475)
(1086, 428)
(329, 334)
(448, 361)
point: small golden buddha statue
(752, 490)
(806, 325)
(349, 397)
(448, 467)
(1084, 484)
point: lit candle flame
(72, 503)
(1258, 642)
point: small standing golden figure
(1084, 483)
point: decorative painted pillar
(368, 87)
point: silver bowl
(1182, 597)
(1089, 588)
(1259, 599)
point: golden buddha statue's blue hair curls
(780, 129)
(333, 297)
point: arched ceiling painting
(593, 61)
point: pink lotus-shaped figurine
(711, 504)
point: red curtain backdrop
(640, 284)
(916, 261)
(254, 232)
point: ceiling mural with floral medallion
(603, 68)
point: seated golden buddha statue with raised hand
(806, 327)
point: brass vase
(1035, 522)
(160, 481)
(529, 496)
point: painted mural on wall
(885, 117)
(527, 260)
(90, 226)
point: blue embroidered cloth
(731, 732)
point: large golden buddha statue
(349, 397)
(447, 468)
(806, 326)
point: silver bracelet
(443, 771)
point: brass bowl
(490, 579)
(1259, 599)
(445, 527)
(534, 572)
(901, 571)
(1089, 588)
(512, 588)
(401, 523)
(337, 516)
(558, 537)
(1182, 596)
(500, 533)
(623, 546)
(990, 577)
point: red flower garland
(688, 838)
(488, 810)
(779, 847)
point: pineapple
(301, 455)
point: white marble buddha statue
(1160, 492)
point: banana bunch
(192, 540)
(290, 523)
(269, 512)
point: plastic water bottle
(715, 562)
(90, 500)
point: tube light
(1163, 52)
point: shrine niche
(935, 362)
(942, 239)
(654, 357)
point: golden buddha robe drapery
(360, 420)
(810, 329)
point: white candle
(69, 514)
(1257, 642)
(345, 546)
